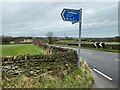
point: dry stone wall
(55, 60)
(30, 65)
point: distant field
(84, 42)
(20, 49)
(109, 43)
(113, 43)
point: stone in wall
(38, 64)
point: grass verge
(101, 49)
(20, 49)
(75, 78)
(85, 42)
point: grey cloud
(39, 18)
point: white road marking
(116, 59)
(103, 74)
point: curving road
(104, 66)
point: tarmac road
(104, 66)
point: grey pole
(79, 41)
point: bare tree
(50, 37)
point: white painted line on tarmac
(116, 59)
(103, 74)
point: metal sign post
(74, 16)
(79, 41)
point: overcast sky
(38, 18)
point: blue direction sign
(71, 15)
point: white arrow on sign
(95, 44)
(100, 44)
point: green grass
(84, 42)
(107, 43)
(20, 49)
(112, 43)
(101, 49)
